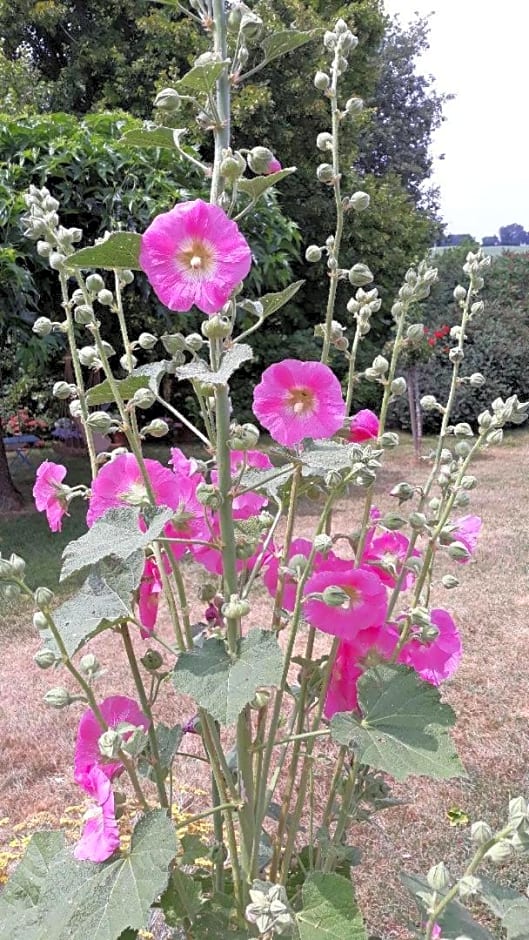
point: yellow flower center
(136, 495)
(196, 257)
(301, 400)
(353, 595)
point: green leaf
(193, 848)
(116, 535)
(286, 40)
(255, 187)
(404, 728)
(455, 920)
(154, 372)
(120, 250)
(512, 908)
(200, 80)
(329, 909)
(77, 900)
(224, 687)
(268, 481)
(271, 302)
(233, 359)
(181, 899)
(25, 885)
(102, 394)
(168, 740)
(150, 135)
(103, 600)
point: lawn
(489, 694)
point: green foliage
(53, 897)
(404, 726)
(224, 687)
(455, 921)
(120, 250)
(329, 909)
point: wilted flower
(364, 426)
(100, 836)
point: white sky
(479, 51)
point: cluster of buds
(474, 264)
(54, 241)
(340, 42)
(362, 306)
(511, 410)
(337, 337)
(11, 571)
(417, 285)
(247, 27)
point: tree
(489, 241)
(513, 234)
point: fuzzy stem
(335, 251)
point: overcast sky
(479, 51)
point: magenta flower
(148, 597)
(437, 660)
(120, 483)
(116, 710)
(298, 547)
(184, 466)
(364, 604)
(194, 254)
(386, 554)
(49, 494)
(368, 648)
(296, 400)
(273, 166)
(467, 531)
(364, 426)
(248, 504)
(100, 836)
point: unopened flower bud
(259, 159)
(459, 293)
(147, 340)
(324, 141)
(313, 254)
(334, 596)
(75, 409)
(143, 398)
(449, 581)
(500, 852)
(58, 697)
(84, 314)
(156, 428)
(151, 660)
(398, 386)
(463, 429)
(438, 877)
(40, 621)
(217, 327)
(18, 565)
(325, 173)
(42, 326)
(57, 260)
(329, 40)
(469, 885)
(354, 106)
(495, 437)
(235, 608)
(167, 99)
(393, 521)
(477, 380)
(105, 297)
(389, 439)
(403, 491)
(44, 249)
(415, 332)
(45, 658)
(100, 421)
(95, 283)
(110, 743)
(89, 664)
(43, 597)
(380, 365)
(321, 81)
(208, 495)
(480, 832)
(323, 543)
(251, 26)
(194, 342)
(260, 700)
(359, 201)
(360, 275)
(477, 307)
(428, 403)
(128, 362)
(456, 354)
(126, 277)
(417, 521)
(88, 356)
(458, 551)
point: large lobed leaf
(329, 909)
(286, 40)
(258, 185)
(223, 687)
(121, 251)
(56, 898)
(231, 361)
(404, 728)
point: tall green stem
(335, 251)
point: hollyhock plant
(148, 597)
(298, 547)
(437, 660)
(353, 657)
(116, 710)
(49, 494)
(194, 254)
(296, 400)
(358, 600)
(364, 426)
(467, 531)
(120, 483)
(100, 836)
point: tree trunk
(10, 498)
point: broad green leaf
(404, 729)
(182, 898)
(104, 599)
(267, 481)
(120, 250)
(116, 535)
(286, 40)
(168, 740)
(102, 394)
(325, 456)
(269, 303)
(150, 135)
(511, 907)
(25, 885)
(78, 900)
(329, 909)
(193, 848)
(154, 372)
(224, 687)
(200, 80)
(233, 359)
(255, 187)
(455, 920)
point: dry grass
(489, 694)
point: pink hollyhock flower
(149, 596)
(437, 660)
(194, 254)
(100, 836)
(467, 531)
(188, 522)
(295, 400)
(116, 710)
(120, 483)
(386, 554)
(368, 648)
(210, 556)
(248, 504)
(364, 426)
(365, 601)
(49, 494)
(271, 572)
(273, 166)
(184, 466)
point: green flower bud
(429, 403)
(463, 429)
(393, 521)
(105, 297)
(469, 885)
(325, 173)
(456, 355)
(110, 743)
(403, 491)
(42, 326)
(360, 275)
(217, 327)
(251, 26)
(128, 362)
(438, 877)
(417, 521)
(151, 660)
(334, 596)
(143, 398)
(458, 551)
(89, 664)
(43, 597)
(260, 700)
(389, 440)
(477, 380)
(359, 201)
(324, 141)
(167, 100)
(208, 495)
(313, 254)
(147, 340)
(500, 852)
(380, 365)
(243, 437)
(354, 106)
(126, 277)
(6, 571)
(63, 390)
(58, 697)
(45, 658)
(100, 421)
(459, 293)
(321, 81)
(88, 357)
(156, 428)
(449, 581)
(40, 621)
(235, 608)
(57, 260)
(469, 482)
(477, 307)
(415, 332)
(17, 564)
(84, 314)
(95, 283)
(398, 386)
(518, 810)
(44, 249)
(323, 543)
(495, 437)
(480, 832)
(259, 159)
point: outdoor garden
(263, 551)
